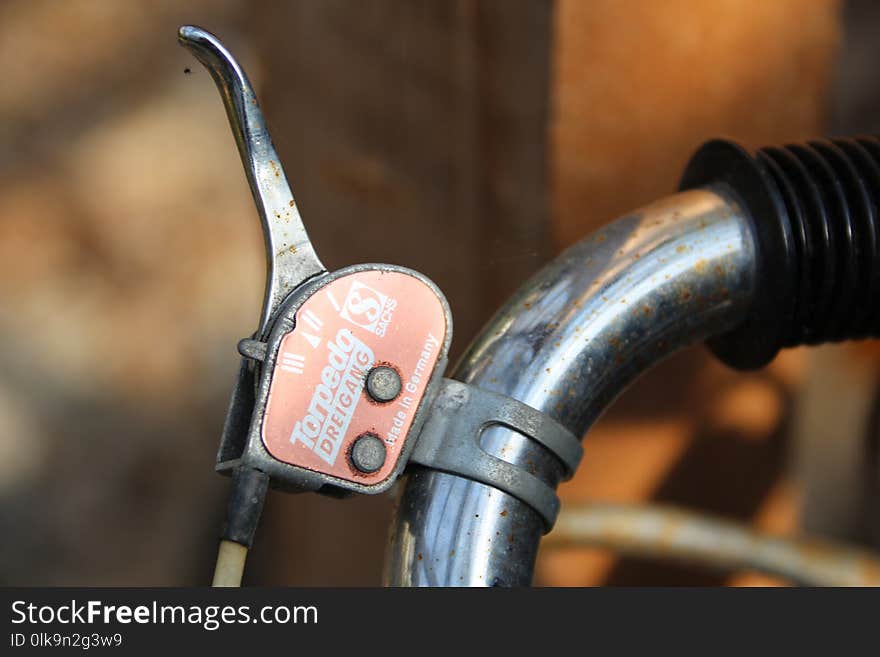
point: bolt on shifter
(341, 384)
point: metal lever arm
(290, 257)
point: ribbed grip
(815, 209)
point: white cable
(230, 564)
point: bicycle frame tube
(568, 342)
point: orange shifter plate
(317, 405)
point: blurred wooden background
(470, 139)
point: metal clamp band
(450, 442)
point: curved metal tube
(568, 343)
(290, 257)
(663, 532)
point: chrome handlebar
(567, 343)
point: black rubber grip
(815, 210)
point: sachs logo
(368, 308)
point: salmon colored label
(318, 405)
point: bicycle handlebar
(570, 340)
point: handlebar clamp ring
(450, 442)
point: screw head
(383, 384)
(368, 453)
